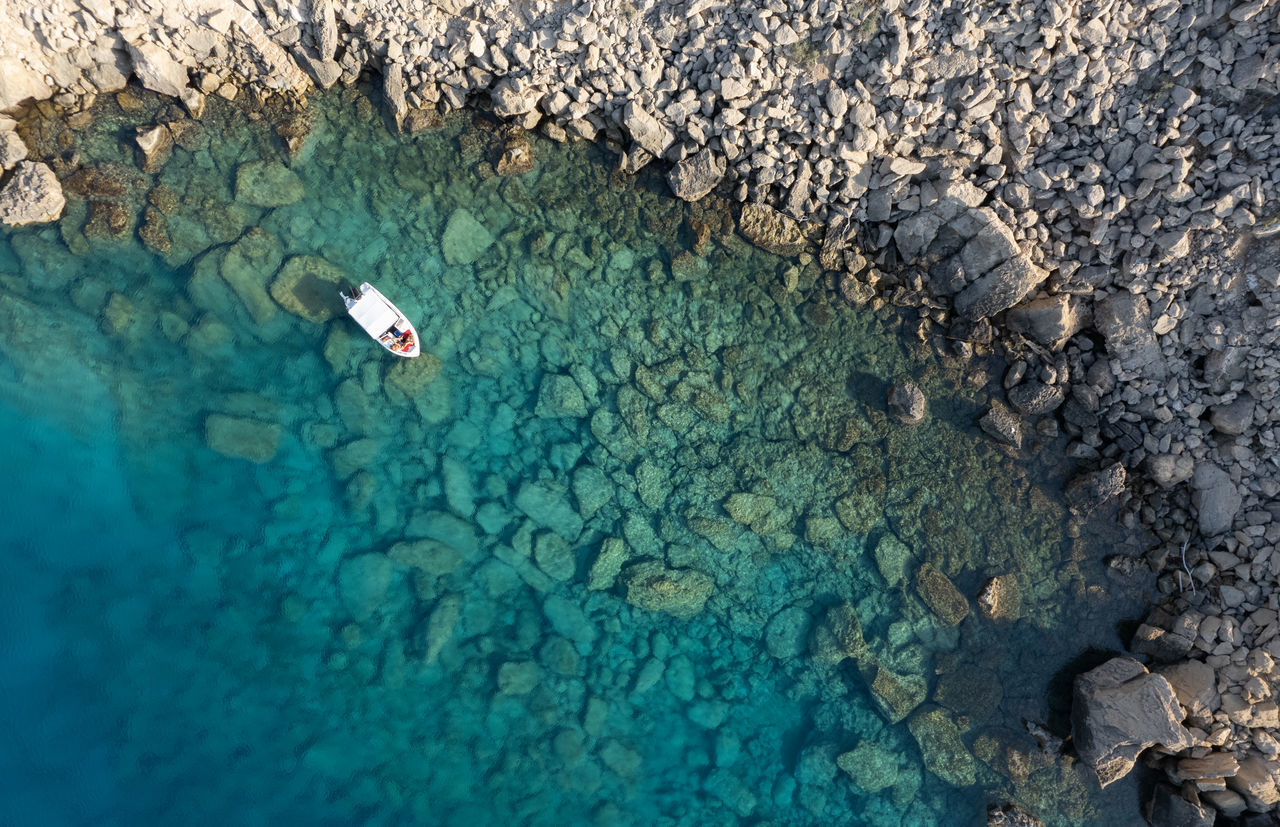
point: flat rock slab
(1124, 320)
(943, 750)
(268, 184)
(765, 227)
(465, 239)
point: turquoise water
(261, 572)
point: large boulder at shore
(157, 70)
(1120, 709)
(12, 149)
(267, 184)
(32, 196)
(765, 227)
(1216, 498)
(20, 82)
(696, 175)
(680, 593)
(646, 130)
(999, 289)
(1087, 491)
(309, 286)
(242, 438)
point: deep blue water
(256, 572)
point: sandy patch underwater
(635, 543)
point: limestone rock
(1011, 815)
(941, 595)
(560, 396)
(19, 82)
(893, 558)
(1120, 709)
(32, 196)
(1000, 598)
(547, 504)
(465, 239)
(906, 403)
(838, 636)
(787, 632)
(944, 753)
(1256, 781)
(646, 130)
(1170, 809)
(267, 184)
(242, 438)
(157, 70)
(1216, 498)
(363, 581)
(871, 767)
(1124, 320)
(1002, 425)
(309, 286)
(431, 557)
(412, 376)
(1050, 320)
(1195, 685)
(897, 694)
(439, 626)
(1087, 491)
(247, 266)
(156, 143)
(608, 564)
(999, 289)
(765, 227)
(12, 149)
(681, 593)
(696, 175)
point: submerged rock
(1088, 491)
(945, 754)
(613, 555)
(871, 766)
(765, 227)
(897, 694)
(363, 581)
(309, 286)
(242, 438)
(412, 376)
(268, 184)
(906, 403)
(465, 239)
(247, 266)
(838, 636)
(681, 593)
(32, 196)
(439, 626)
(941, 595)
(1119, 709)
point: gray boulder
(906, 403)
(696, 175)
(646, 130)
(1170, 809)
(32, 196)
(1235, 417)
(1120, 709)
(157, 70)
(1034, 398)
(1000, 288)
(1124, 320)
(1050, 320)
(1216, 498)
(765, 227)
(1002, 425)
(1087, 491)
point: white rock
(32, 196)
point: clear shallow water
(260, 572)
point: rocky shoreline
(1092, 189)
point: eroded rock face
(1120, 709)
(32, 196)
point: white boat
(382, 320)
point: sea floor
(581, 563)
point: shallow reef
(634, 541)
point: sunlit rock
(32, 196)
(941, 595)
(945, 754)
(681, 593)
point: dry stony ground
(1092, 185)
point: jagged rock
(897, 694)
(1050, 320)
(1170, 809)
(1216, 498)
(1035, 398)
(465, 239)
(765, 227)
(393, 92)
(325, 27)
(1087, 491)
(32, 196)
(12, 149)
(1159, 645)
(941, 595)
(560, 396)
(646, 130)
(906, 403)
(944, 753)
(1256, 782)
(267, 184)
(1234, 418)
(1001, 288)
(309, 286)
(363, 581)
(1011, 815)
(1002, 425)
(837, 636)
(157, 70)
(608, 564)
(1124, 320)
(512, 97)
(1000, 598)
(242, 438)
(696, 175)
(871, 767)
(20, 82)
(517, 153)
(156, 143)
(787, 632)
(1120, 709)
(681, 593)
(914, 234)
(1195, 685)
